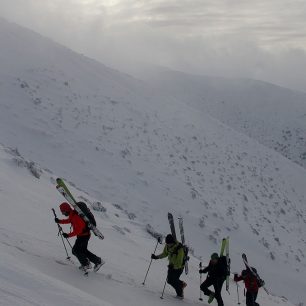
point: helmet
(65, 208)
(214, 256)
(169, 239)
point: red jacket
(78, 224)
(249, 279)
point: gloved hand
(56, 220)
(153, 256)
(65, 235)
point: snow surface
(141, 154)
(34, 269)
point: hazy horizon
(265, 40)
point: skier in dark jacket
(175, 252)
(252, 284)
(82, 232)
(217, 271)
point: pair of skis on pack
(173, 232)
(64, 191)
(225, 248)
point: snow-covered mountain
(123, 142)
(272, 115)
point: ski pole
(158, 241)
(60, 230)
(238, 294)
(162, 296)
(200, 265)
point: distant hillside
(272, 115)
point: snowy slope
(33, 269)
(272, 115)
(124, 143)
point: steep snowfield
(33, 268)
(123, 143)
(274, 116)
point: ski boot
(98, 265)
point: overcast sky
(262, 39)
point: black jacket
(218, 270)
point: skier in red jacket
(82, 232)
(252, 284)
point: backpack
(185, 249)
(225, 266)
(260, 282)
(86, 211)
(254, 277)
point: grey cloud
(200, 36)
